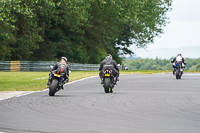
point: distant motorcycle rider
(63, 67)
(109, 61)
(176, 59)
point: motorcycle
(108, 78)
(56, 81)
(178, 70)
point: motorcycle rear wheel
(106, 85)
(53, 87)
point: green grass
(34, 81)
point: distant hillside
(159, 64)
(131, 57)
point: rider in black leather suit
(109, 61)
(63, 67)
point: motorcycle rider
(62, 65)
(176, 59)
(109, 61)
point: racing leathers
(114, 67)
(178, 59)
(63, 67)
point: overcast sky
(182, 31)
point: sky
(181, 35)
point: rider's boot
(48, 83)
(62, 87)
(182, 68)
(66, 80)
(102, 81)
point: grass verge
(34, 81)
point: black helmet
(109, 56)
(64, 58)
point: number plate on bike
(107, 74)
(56, 75)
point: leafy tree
(143, 22)
(18, 28)
(198, 67)
(193, 68)
(84, 31)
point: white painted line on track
(27, 93)
(16, 95)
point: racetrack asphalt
(140, 103)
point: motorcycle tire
(106, 85)
(177, 74)
(53, 87)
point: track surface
(139, 104)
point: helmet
(109, 56)
(64, 58)
(179, 55)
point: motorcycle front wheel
(177, 73)
(53, 87)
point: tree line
(82, 30)
(159, 64)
